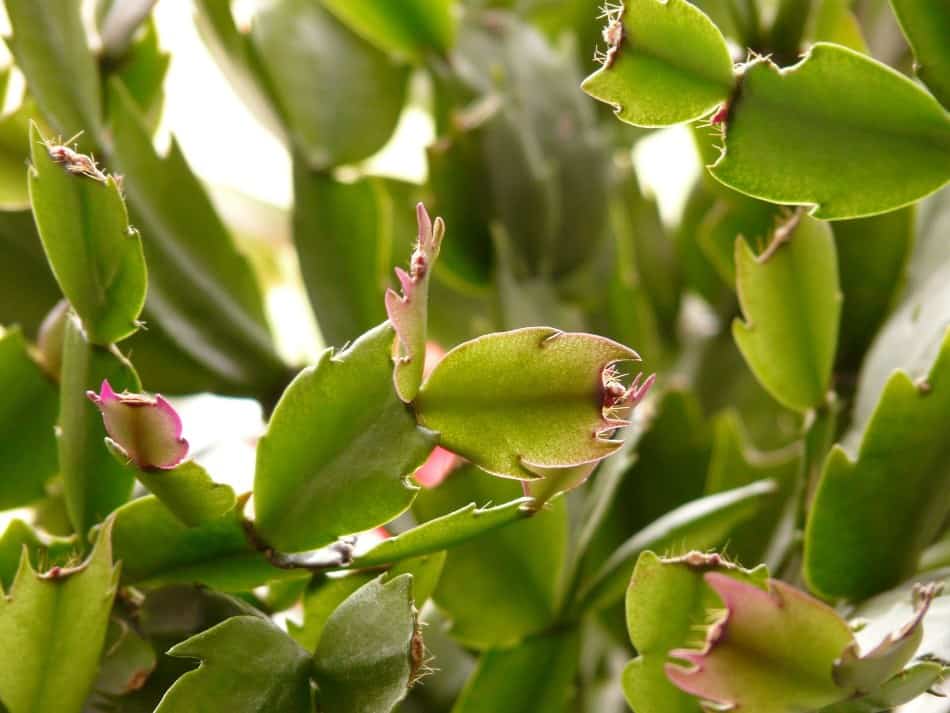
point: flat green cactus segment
(340, 97)
(407, 29)
(50, 47)
(369, 650)
(530, 396)
(58, 622)
(248, 664)
(898, 475)
(791, 305)
(339, 443)
(503, 585)
(666, 63)
(536, 675)
(189, 492)
(926, 23)
(27, 446)
(95, 255)
(667, 606)
(838, 131)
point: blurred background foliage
(272, 154)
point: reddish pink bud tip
(147, 428)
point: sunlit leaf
(838, 131)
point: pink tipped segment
(146, 428)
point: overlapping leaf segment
(767, 646)
(813, 134)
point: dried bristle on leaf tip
(146, 428)
(408, 312)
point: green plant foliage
(735, 464)
(189, 493)
(791, 305)
(405, 28)
(27, 450)
(926, 24)
(218, 319)
(59, 620)
(14, 130)
(157, 549)
(535, 675)
(873, 254)
(409, 312)
(27, 288)
(466, 523)
(234, 52)
(475, 435)
(773, 650)
(248, 665)
(95, 255)
(50, 48)
(896, 474)
(529, 397)
(665, 63)
(340, 97)
(95, 483)
(835, 132)
(528, 156)
(343, 228)
(142, 69)
(666, 601)
(42, 550)
(324, 594)
(699, 525)
(127, 660)
(340, 443)
(502, 586)
(371, 649)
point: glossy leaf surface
(537, 674)
(50, 48)
(405, 28)
(897, 474)
(95, 254)
(532, 396)
(926, 23)
(158, 549)
(666, 63)
(27, 446)
(340, 96)
(342, 228)
(666, 601)
(59, 621)
(339, 443)
(202, 291)
(367, 655)
(837, 131)
(249, 665)
(503, 585)
(791, 305)
(189, 492)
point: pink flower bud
(146, 428)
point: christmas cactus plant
(561, 451)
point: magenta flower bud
(146, 428)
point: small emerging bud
(147, 429)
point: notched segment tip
(408, 312)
